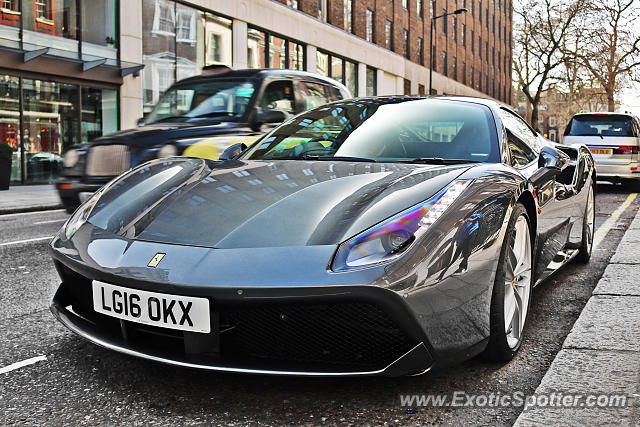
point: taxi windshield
(221, 99)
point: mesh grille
(345, 334)
(107, 160)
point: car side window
(314, 94)
(519, 129)
(278, 96)
(521, 155)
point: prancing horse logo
(156, 260)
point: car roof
(260, 73)
(392, 99)
(605, 113)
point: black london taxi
(199, 116)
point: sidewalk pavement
(27, 198)
(601, 354)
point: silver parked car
(614, 141)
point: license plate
(152, 308)
(606, 151)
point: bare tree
(541, 28)
(610, 46)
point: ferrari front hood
(261, 204)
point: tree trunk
(534, 115)
(611, 101)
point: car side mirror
(552, 158)
(271, 116)
(233, 151)
(140, 122)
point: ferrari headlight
(387, 240)
(168, 150)
(70, 158)
(81, 214)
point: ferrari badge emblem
(156, 260)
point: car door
(557, 211)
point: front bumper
(319, 331)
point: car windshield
(386, 130)
(222, 98)
(600, 125)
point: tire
(588, 227)
(506, 337)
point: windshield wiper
(438, 161)
(337, 158)
(213, 114)
(168, 118)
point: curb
(600, 357)
(6, 211)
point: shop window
(99, 25)
(10, 120)
(322, 63)
(99, 112)
(256, 53)
(372, 82)
(218, 38)
(336, 69)
(296, 56)
(50, 126)
(164, 17)
(57, 18)
(277, 53)
(186, 25)
(351, 77)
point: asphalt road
(80, 383)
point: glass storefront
(177, 42)
(10, 120)
(342, 70)
(55, 115)
(281, 53)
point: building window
(472, 76)
(486, 51)
(405, 4)
(454, 68)
(420, 51)
(186, 25)
(348, 15)
(479, 47)
(432, 8)
(463, 35)
(369, 25)
(372, 82)
(473, 47)
(166, 22)
(43, 9)
(405, 43)
(420, 8)
(454, 29)
(464, 73)
(293, 4)
(486, 18)
(388, 35)
(499, 32)
(444, 23)
(322, 10)
(444, 62)
(11, 5)
(493, 24)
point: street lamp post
(433, 20)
